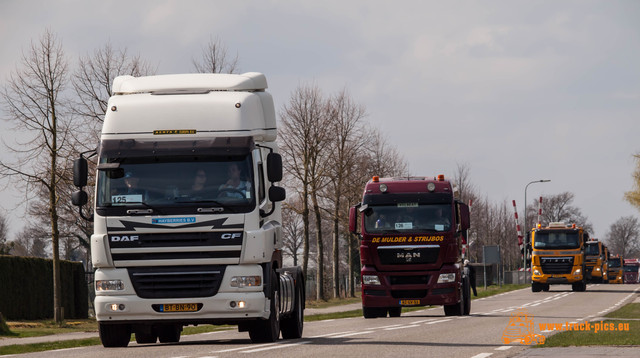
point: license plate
(409, 302)
(180, 307)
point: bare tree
(303, 138)
(623, 237)
(383, 159)
(558, 208)
(633, 196)
(292, 228)
(346, 129)
(214, 59)
(33, 97)
(31, 241)
(94, 76)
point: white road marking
(277, 346)
(402, 327)
(482, 355)
(241, 348)
(442, 320)
(504, 348)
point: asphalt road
(426, 333)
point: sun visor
(119, 148)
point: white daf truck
(187, 219)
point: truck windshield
(556, 240)
(592, 249)
(177, 181)
(614, 263)
(407, 217)
(629, 268)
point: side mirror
(353, 219)
(274, 167)
(79, 198)
(277, 193)
(465, 219)
(80, 172)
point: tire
(467, 296)
(373, 312)
(536, 287)
(114, 335)
(268, 330)
(395, 311)
(456, 309)
(169, 333)
(143, 337)
(545, 287)
(292, 326)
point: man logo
(229, 236)
(124, 238)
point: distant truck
(597, 258)
(616, 269)
(187, 216)
(413, 230)
(631, 271)
(558, 257)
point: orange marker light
(440, 177)
(376, 179)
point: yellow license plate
(409, 302)
(180, 307)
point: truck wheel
(395, 311)
(466, 287)
(545, 287)
(268, 330)
(169, 333)
(456, 309)
(114, 335)
(291, 327)
(374, 312)
(536, 287)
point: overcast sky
(516, 90)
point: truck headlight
(597, 268)
(577, 272)
(109, 285)
(370, 280)
(536, 272)
(245, 281)
(447, 277)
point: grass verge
(620, 331)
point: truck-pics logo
(520, 328)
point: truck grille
(176, 281)
(408, 293)
(169, 249)
(556, 265)
(408, 255)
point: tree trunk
(320, 256)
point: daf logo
(229, 236)
(124, 238)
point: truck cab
(616, 269)
(187, 218)
(596, 259)
(412, 230)
(558, 256)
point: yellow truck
(616, 269)
(596, 259)
(558, 256)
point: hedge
(26, 288)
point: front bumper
(399, 289)
(223, 307)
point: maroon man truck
(412, 232)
